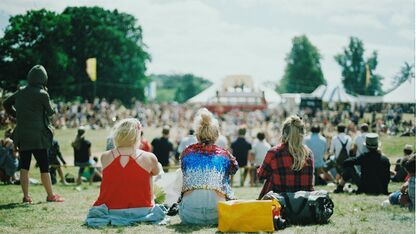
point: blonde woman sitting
(288, 167)
(206, 172)
(126, 195)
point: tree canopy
(179, 87)
(63, 42)
(303, 71)
(354, 70)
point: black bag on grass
(304, 207)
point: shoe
(28, 200)
(174, 210)
(339, 189)
(55, 198)
(64, 182)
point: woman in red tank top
(127, 181)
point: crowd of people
(271, 147)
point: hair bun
(205, 119)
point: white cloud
(203, 38)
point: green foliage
(183, 87)
(63, 42)
(354, 69)
(303, 71)
(407, 71)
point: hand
(404, 187)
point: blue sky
(215, 38)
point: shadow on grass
(17, 205)
(182, 228)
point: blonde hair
(127, 132)
(206, 127)
(292, 134)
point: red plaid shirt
(279, 175)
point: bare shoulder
(149, 157)
(106, 158)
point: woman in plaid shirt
(288, 167)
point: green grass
(353, 213)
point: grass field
(353, 213)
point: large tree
(355, 70)
(303, 72)
(63, 42)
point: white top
(186, 141)
(222, 142)
(260, 149)
(336, 144)
(359, 142)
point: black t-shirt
(375, 172)
(240, 148)
(82, 155)
(162, 148)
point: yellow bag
(247, 215)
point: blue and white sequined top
(208, 167)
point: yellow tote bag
(246, 215)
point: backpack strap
(342, 143)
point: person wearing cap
(162, 148)
(82, 153)
(399, 172)
(375, 168)
(33, 133)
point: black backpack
(343, 154)
(304, 207)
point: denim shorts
(199, 207)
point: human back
(127, 171)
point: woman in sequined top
(206, 172)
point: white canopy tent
(210, 93)
(404, 93)
(333, 94)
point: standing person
(33, 134)
(162, 148)
(240, 149)
(260, 148)
(126, 195)
(187, 141)
(55, 159)
(206, 172)
(400, 172)
(288, 167)
(375, 168)
(82, 153)
(317, 144)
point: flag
(367, 75)
(92, 68)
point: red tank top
(125, 187)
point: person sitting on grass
(399, 172)
(82, 153)
(406, 196)
(288, 167)
(375, 168)
(126, 195)
(8, 158)
(206, 172)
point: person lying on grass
(126, 195)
